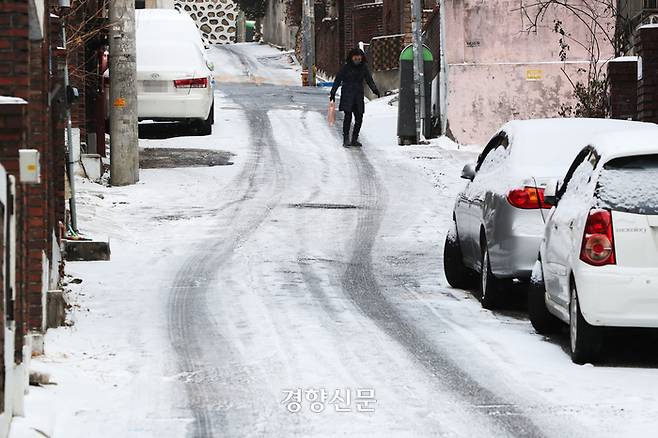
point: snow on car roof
(563, 127)
(165, 27)
(163, 21)
(547, 147)
(179, 55)
(159, 14)
(627, 143)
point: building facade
(33, 102)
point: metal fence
(384, 52)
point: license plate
(155, 86)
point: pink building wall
(497, 72)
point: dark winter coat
(352, 76)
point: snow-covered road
(306, 266)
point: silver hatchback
(498, 219)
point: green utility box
(251, 30)
(407, 103)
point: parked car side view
(598, 262)
(499, 216)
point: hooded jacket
(351, 77)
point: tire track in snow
(360, 284)
(205, 356)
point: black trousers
(347, 122)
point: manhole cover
(324, 206)
(160, 158)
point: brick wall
(622, 76)
(392, 16)
(31, 70)
(15, 81)
(367, 22)
(37, 195)
(647, 90)
(13, 136)
(350, 28)
(328, 51)
(405, 15)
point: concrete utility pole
(308, 39)
(241, 28)
(419, 67)
(124, 150)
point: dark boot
(347, 122)
(358, 120)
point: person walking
(351, 77)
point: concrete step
(86, 250)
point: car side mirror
(551, 192)
(468, 172)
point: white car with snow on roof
(598, 262)
(175, 80)
(499, 216)
(174, 76)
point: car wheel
(542, 320)
(456, 272)
(490, 286)
(586, 340)
(204, 127)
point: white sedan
(175, 80)
(174, 77)
(598, 262)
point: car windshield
(630, 184)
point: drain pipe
(443, 70)
(69, 132)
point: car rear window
(630, 184)
(177, 56)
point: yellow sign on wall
(534, 75)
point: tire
(204, 127)
(542, 320)
(585, 340)
(211, 116)
(491, 288)
(456, 272)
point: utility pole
(419, 68)
(124, 149)
(241, 28)
(308, 39)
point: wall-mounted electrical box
(30, 169)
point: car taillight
(527, 198)
(598, 248)
(191, 83)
